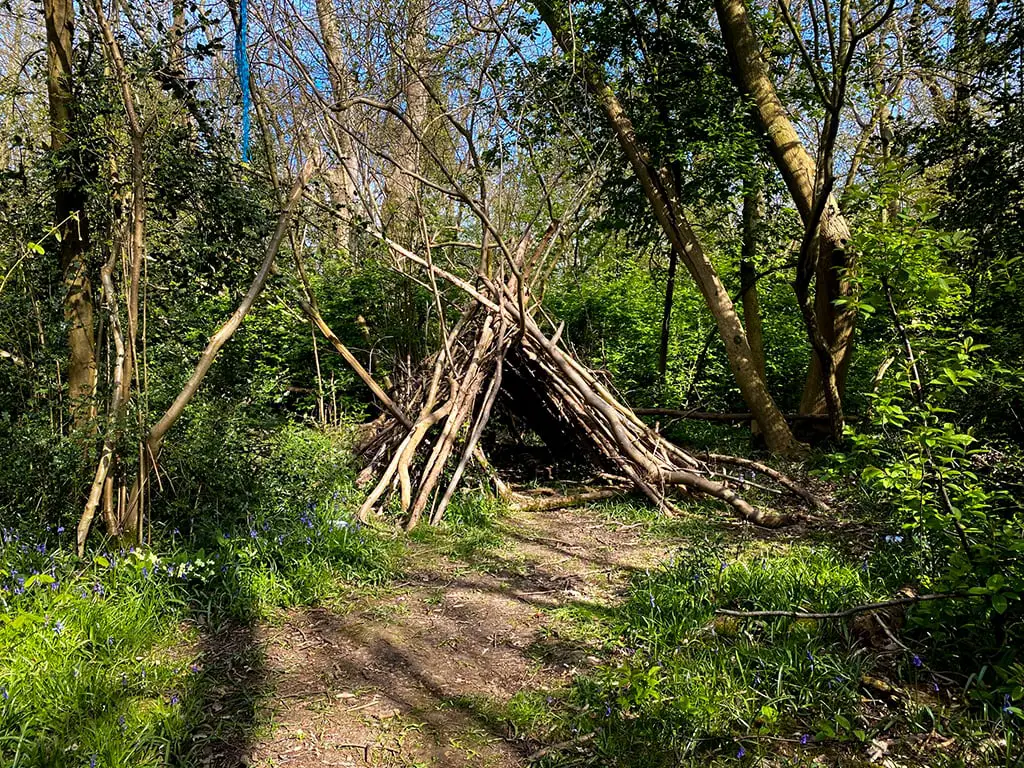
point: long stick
(155, 438)
(841, 614)
(393, 408)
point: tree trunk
(799, 171)
(155, 438)
(658, 186)
(666, 316)
(120, 527)
(401, 187)
(341, 178)
(753, 205)
(69, 212)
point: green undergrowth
(470, 531)
(674, 683)
(133, 657)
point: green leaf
(999, 603)
(36, 247)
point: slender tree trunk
(121, 527)
(400, 208)
(341, 177)
(69, 212)
(658, 186)
(753, 207)
(666, 315)
(401, 188)
(157, 433)
(798, 169)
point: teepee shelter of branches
(422, 447)
(502, 345)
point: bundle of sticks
(422, 447)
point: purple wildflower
(805, 738)
(741, 753)
(917, 660)
(58, 627)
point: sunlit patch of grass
(100, 660)
(681, 685)
(469, 530)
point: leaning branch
(393, 408)
(157, 433)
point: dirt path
(406, 680)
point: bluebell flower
(124, 680)
(805, 738)
(935, 687)
(3, 693)
(652, 601)
(145, 572)
(916, 660)
(741, 753)
(121, 722)
(253, 534)
(1006, 703)
(607, 710)
(893, 539)
(58, 627)
(92, 762)
(174, 699)
(60, 529)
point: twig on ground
(842, 614)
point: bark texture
(799, 170)
(69, 211)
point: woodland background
(788, 232)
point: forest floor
(409, 678)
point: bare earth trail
(399, 680)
